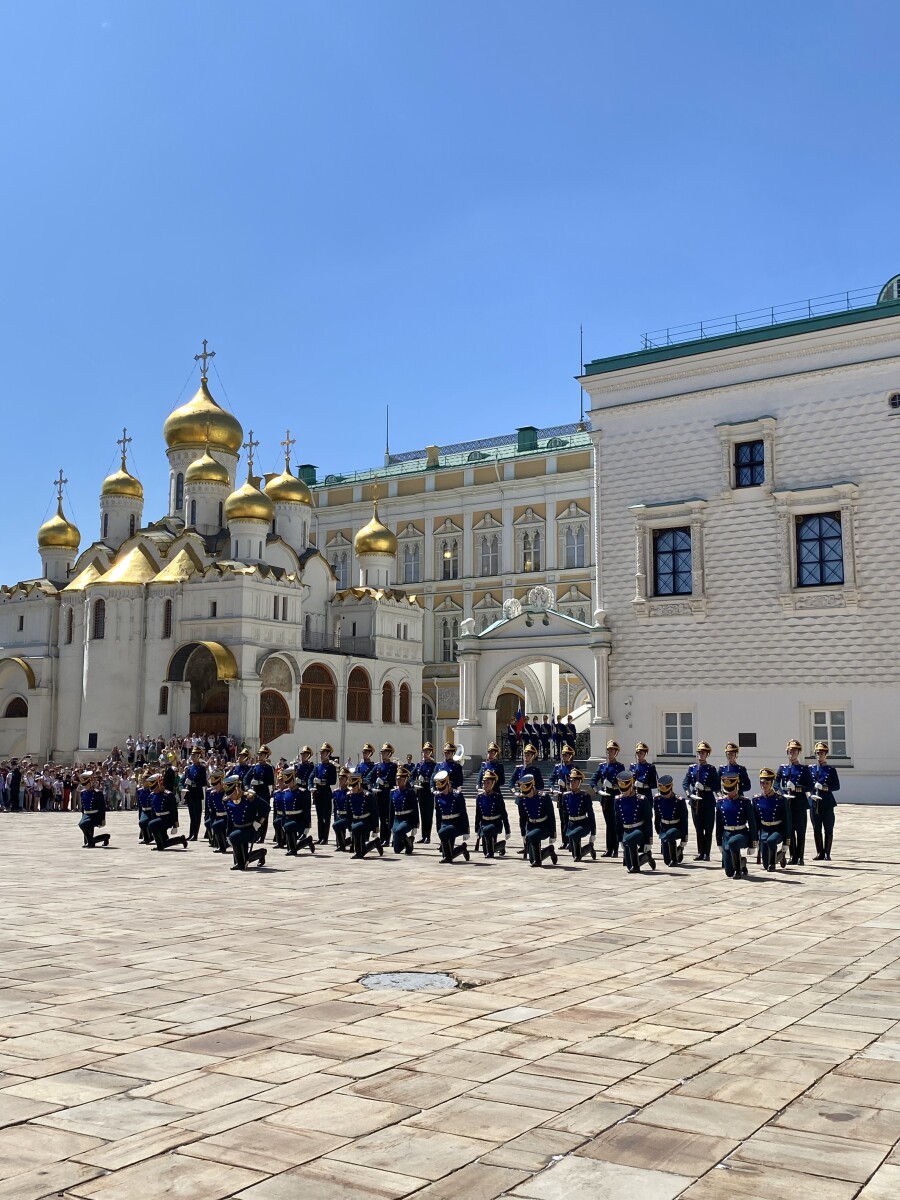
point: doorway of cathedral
(546, 692)
(274, 717)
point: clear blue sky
(404, 202)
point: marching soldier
(170, 775)
(297, 809)
(794, 780)
(93, 812)
(246, 814)
(363, 817)
(731, 764)
(383, 780)
(634, 825)
(304, 770)
(342, 820)
(278, 809)
(671, 820)
(324, 778)
(218, 813)
(604, 782)
(559, 782)
(165, 815)
(645, 778)
(735, 825)
(452, 817)
(701, 783)
(540, 822)
(581, 823)
(367, 765)
(195, 782)
(773, 821)
(571, 734)
(491, 818)
(261, 778)
(546, 732)
(405, 810)
(143, 798)
(822, 802)
(422, 775)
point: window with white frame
(340, 564)
(818, 563)
(672, 575)
(490, 554)
(529, 535)
(573, 530)
(449, 637)
(411, 563)
(669, 574)
(531, 551)
(678, 732)
(574, 549)
(449, 554)
(486, 611)
(830, 725)
(748, 455)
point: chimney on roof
(432, 456)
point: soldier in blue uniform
(540, 822)
(93, 812)
(297, 809)
(491, 818)
(363, 817)
(527, 767)
(559, 783)
(278, 809)
(645, 777)
(383, 780)
(421, 778)
(581, 824)
(451, 766)
(366, 765)
(165, 815)
(731, 764)
(603, 781)
(634, 825)
(452, 817)
(194, 782)
(822, 803)
(243, 764)
(144, 802)
(546, 729)
(324, 778)
(493, 764)
(773, 821)
(735, 825)
(701, 783)
(246, 813)
(304, 770)
(218, 813)
(261, 778)
(405, 813)
(794, 780)
(671, 820)
(341, 818)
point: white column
(596, 515)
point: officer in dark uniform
(546, 730)
(421, 777)
(671, 820)
(822, 803)
(571, 733)
(559, 783)
(405, 813)
(773, 821)
(735, 825)
(540, 822)
(383, 780)
(243, 764)
(143, 798)
(363, 817)
(246, 814)
(194, 782)
(278, 809)
(512, 742)
(527, 767)
(170, 775)
(491, 818)
(165, 815)
(701, 784)
(634, 825)
(261, 778)
(645, 778)
(218, 813)
(367, 765)
(493, 763)
(578, 807)
(794, 780)
(452, 817)
(559, 736)
(93, 812)
(451, 766)
(731, 764)
(603, 781)
(341, 818)
(304, 770)
(297, 809)
(324, 778)
(531, 733)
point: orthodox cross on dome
(59, 484)
(376, 491)
(204, 358)
(123, 443)
(250, 446)
(288, 443)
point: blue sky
(404, 202)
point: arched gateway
(529, 632)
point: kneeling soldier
(735, 825)
(363, 817)
(773, 819)
(559, 783)
(540, 822)
(165, 815)
(218, 813)
(491, 819)
(581, 824)
(452, 818)
(297, 808)
(246, 814)
(634, 825)
(340, 799)
(93, 812)
(527, 767)
(405, 813)
(671, 819)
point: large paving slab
(171, 1028)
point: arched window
(341, 568)
(317, 694)
(193, 512)
(274, 716)
(163, 701)
(98, 629)
(531, 552)
(450, 559)
(490, 555)
(405, 706)
(411, 563)
(167, 619)
(359, 696)
(387, 704)
(179, 492)
(70, 626)
(131, 520)
(574, 547)
(449, 634)
(17, 707)
(105, 530)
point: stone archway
(206, 668)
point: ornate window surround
(571, 517)
(648, 518)
(530, 523)
(790, 505)
(762, 429)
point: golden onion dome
(122, 483)
(202, 421)
(206, 470)
(58, 533)
(375, 538)
(288, 489)
(248, 503)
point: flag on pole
(520, 719)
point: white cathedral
(221, 617)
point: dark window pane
(820, 555)
(749, 464)
(672, 562)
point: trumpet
(460, 755)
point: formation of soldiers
(379, 804)
(546, 734)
